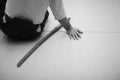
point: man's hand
(74, 33)
(71, 31)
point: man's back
(31, 9)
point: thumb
(68, 33)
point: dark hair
(19, 22)
(18, 27)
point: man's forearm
(65, 23)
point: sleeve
(57, 8)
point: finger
(78, 35)
(69, 35)
(80, 31)
(72, 36)
(69, 19)
(75, 37)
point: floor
(94, 57)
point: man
(25, 19)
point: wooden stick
(37, 45)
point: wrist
(65, 23)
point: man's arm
(59, 13)
(71, 31)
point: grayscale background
(94, 57)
